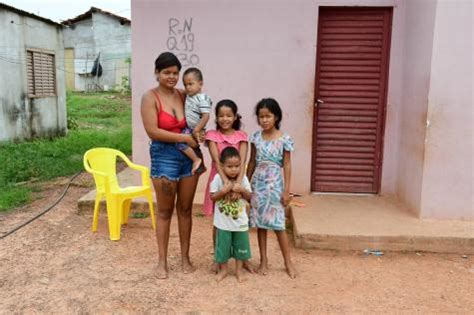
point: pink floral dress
(223, 141)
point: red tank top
(166, 120)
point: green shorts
(231, 244)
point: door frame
(382, 115)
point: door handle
(318, 101)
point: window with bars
(41, 74)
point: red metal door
(350, 98)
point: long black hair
(231, 104)
(274, 108)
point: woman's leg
(285, 251)
(186, 190)
(262, 246)
(165, 195)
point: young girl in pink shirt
(227, 134)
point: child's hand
(199, 135)
(227, 187)
(202, 136)
(238, 188)
(234, 196)
(191, 142)
(285, 198)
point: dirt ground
(57, 265)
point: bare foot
(187, 267)
(291, 271)
(262, 269)
(221, 275)
(214, 268)
(196, 164)
(240, 278)
(248, 266)
(162, 271)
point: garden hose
(44, 211)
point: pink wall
(416, 66)
(247, 51)
(448, 168)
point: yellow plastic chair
(101, 162)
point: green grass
(103, 119)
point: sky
(59, 10)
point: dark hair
(231, 104)
(273, 106)
(195, 71)
(228, 153)
(166, 60)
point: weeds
(101, 119)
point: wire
(44, 211)
(63, 69)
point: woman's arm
(285, 197)
(149, 114)
(214, 152)
(251, 165)
(243, 148)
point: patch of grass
(103, 119)
(139, 215)
(14, 196)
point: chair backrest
(103, 160)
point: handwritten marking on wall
(181, 41)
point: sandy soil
(57, 265)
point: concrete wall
(113, 41)
(416, 66)
(80, 36)
(447, 190)
(100, 34)
(22, 117)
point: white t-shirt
(237, 221)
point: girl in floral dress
(270, 152)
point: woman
(162, 111)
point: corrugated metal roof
(88, 15)
(28, 14)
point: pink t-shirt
(223, 141)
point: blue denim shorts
(167, 161)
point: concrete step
(361, 222)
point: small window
(41, 74)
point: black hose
(44, 211)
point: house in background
(32, 85)
(97, 35)
(376, 93)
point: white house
(32, 85)
(97, 34)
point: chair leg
(152, 213)
(95, 220)
(126, 210)
(114, 217)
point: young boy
(230, 216)
(196, 109)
